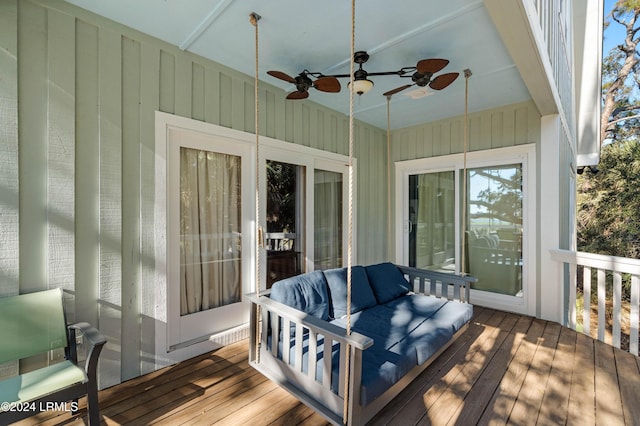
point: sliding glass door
(285, 237)
(494, 228)
(447, 219)
(305, 212)
(431, 223)
(328, 215)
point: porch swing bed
(402, 318)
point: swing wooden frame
(269, 354)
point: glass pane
(285, 236)
(327, 220)
(494, 228)
(432, 221)
(210, 230)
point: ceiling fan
(422, 75)
(303, 83)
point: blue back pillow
(362, 296)
(387, 281)
(306, 292)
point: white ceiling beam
(215, 13)
(411, 33)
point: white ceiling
(315, 35)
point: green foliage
(281, 197)
(609, 204)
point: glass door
(494, 232)
(210, 230)
(431, 221)
(285, 238)
(328, 219)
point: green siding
(496, 128)
(78, 97)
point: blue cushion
(362, 296)
(307, 293)
(432, 334)
(416, 304)
(387, 281)
(381, 369)
(377, 323)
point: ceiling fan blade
(327, 84)
(297, 95)
(431, 65)
(396, 90)
(282, 76)
(442, 81)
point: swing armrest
(339, 334)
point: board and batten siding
(510, 125)
(78, 95)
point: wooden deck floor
(505, 369)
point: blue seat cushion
(390, 358)
(432, 334)
(387, 281)
(307, 293)
(362, 296)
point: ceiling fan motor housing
(421, 79)
(303, 82)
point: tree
(621, 80)
(608, 203)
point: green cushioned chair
(35, 323)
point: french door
(208, 234)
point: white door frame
(523, 154)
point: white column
(550, 294)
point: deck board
(505, 369)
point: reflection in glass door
(494, 228)
(431, 223)
(285, 216)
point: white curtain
(210, 244)
(327, 219)
(435, 233)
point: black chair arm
(96, 341)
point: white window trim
(524, 154)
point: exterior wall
(78, 96)
(495, 128)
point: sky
(614, 34)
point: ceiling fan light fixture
(418, 93)
(362, 86)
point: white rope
(467, 74)
(254, 18)
(345, 408)
(389, 170)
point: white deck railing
(607, 274)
